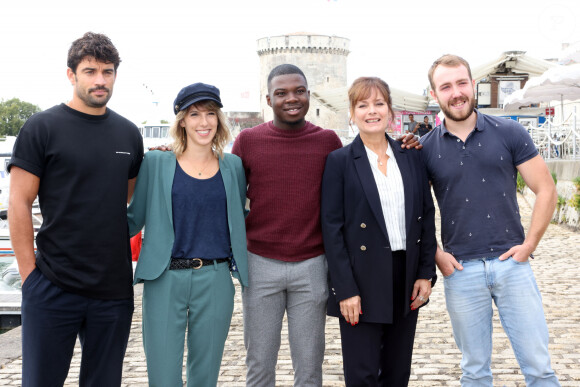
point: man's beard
(94, 102)
(457, 115)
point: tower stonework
(322, 58)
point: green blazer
(151, 206)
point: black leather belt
(193, 263)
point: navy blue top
(475, 185)
(200, 218)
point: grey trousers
(299, 289)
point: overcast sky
(166, 45)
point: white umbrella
(558, 83)
(516, 100)
(571, 54)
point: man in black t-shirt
(424, 127)
(81, 159)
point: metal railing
(558, 140)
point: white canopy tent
(337, 99)
(558, 83)
(517, 61)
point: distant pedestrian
(473, 160)
(81, 159)
(412, 126)
(424, 127)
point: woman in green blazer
(191, 203)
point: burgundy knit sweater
(284, 173)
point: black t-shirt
(424, 129)
(84, 163)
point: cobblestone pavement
(436, 358)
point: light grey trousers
(299, 289)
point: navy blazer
(356, 242)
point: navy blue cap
(194, 93)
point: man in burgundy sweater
(284, 160)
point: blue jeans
(511, 285)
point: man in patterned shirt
(473, 160)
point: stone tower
(322, 58)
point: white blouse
(392, 196)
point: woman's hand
(421, 293)
(350, 308)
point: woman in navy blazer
(191, 202)
(379, 237)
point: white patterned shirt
(392, 196)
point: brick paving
(436, 359)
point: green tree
(13, 114)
